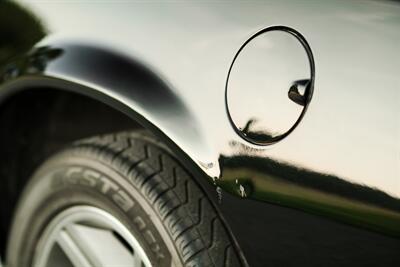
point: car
(260, 133)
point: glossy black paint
(92, 71)
(284, 208)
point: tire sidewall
(70, 179)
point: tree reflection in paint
(20, 29)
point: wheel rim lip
(76, 215)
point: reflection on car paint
(318, 193)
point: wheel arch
(103, 82)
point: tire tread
(185, 210)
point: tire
(146, 190)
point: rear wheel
(116, 200)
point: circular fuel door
(270, 84)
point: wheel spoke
(137, 261)
(72, 251)
(85, 236)
(100, 246)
